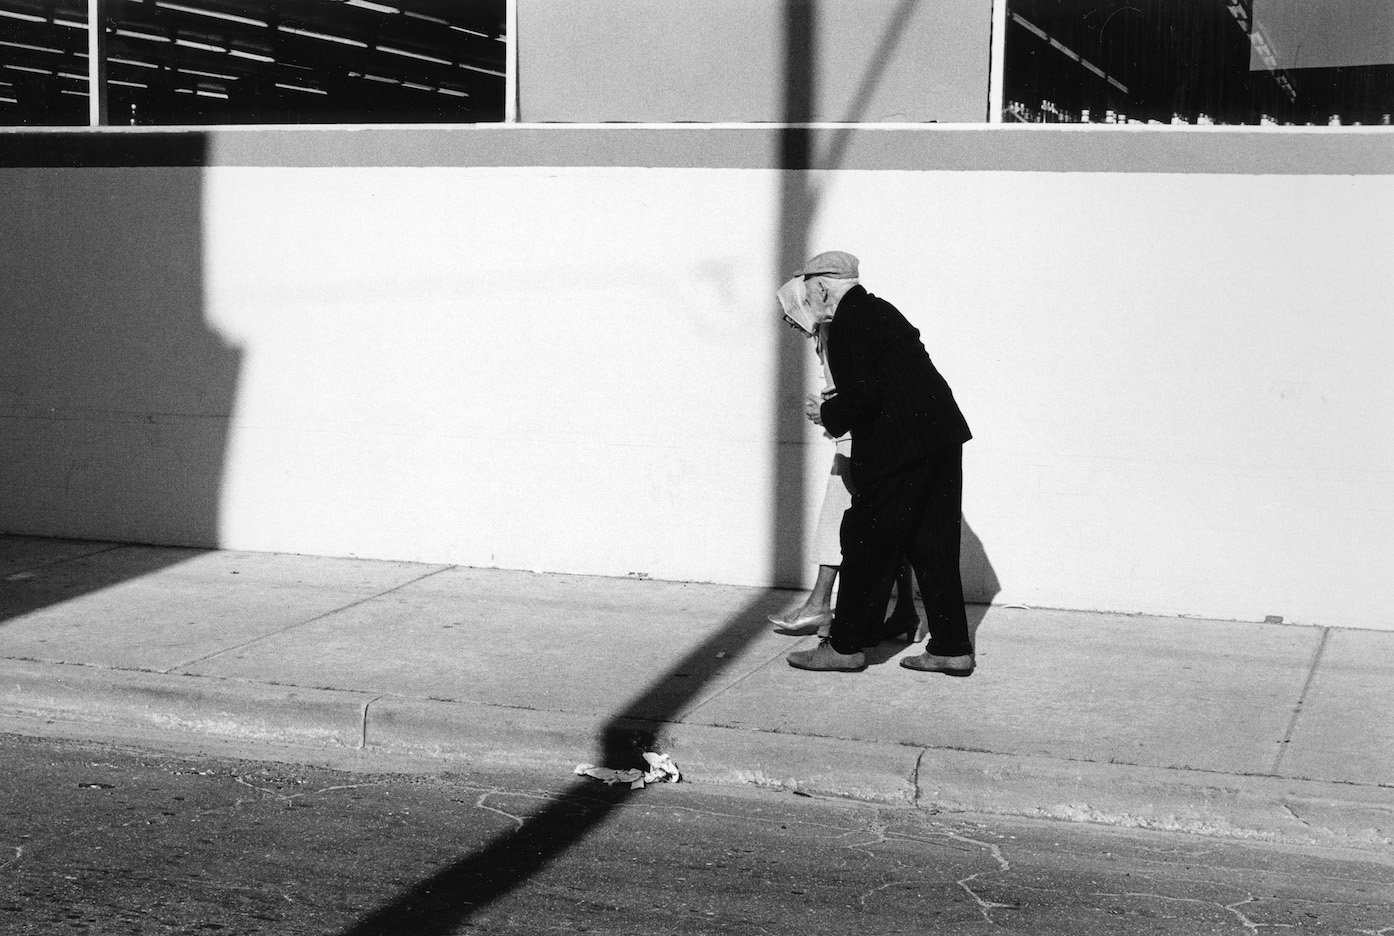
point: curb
(557, 741)
(1262, 808)
(202, 706)
(1284, 810)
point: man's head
(827, 277)
(835, 264)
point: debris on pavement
(661, 768)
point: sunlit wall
(1173, 355)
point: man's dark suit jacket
(889, 393)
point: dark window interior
(172, 62)
(1280, 62)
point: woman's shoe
(905, 628)
(801, 626)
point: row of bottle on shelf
(1050, 112)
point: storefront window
(43, 64)
(196, 62)
(1272, 62)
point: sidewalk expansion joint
(318, 617)
(82, 665)
(109, 547)
(1301, 699)
(915, 777)
(718, 692)
(363, 723)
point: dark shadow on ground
(37, 572)
(114, 391)
(445, 901)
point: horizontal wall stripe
(924, 147)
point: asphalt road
(102, 838)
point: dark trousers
(914, 512)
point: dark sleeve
(856, 402)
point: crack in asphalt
(985, 907)
(291, 798)
(881, 834)
(862, 898)
(1293, 813)
(877, 829)
(1232, 908)
(1249, 924)
(480, 804)
(1211, 882)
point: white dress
(827, 543)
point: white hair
(839, 285)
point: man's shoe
(948, 665)
(824, 658)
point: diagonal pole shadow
(795, 216)
(880, 61)
(443, 902)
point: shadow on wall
(800, 196)
(797, 203)
(980, 584)
(115, 394)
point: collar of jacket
(849, 299)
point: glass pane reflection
(1275, 62)
(256, 61)
(43, 64)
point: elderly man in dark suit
(907, 473)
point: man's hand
(812, 404)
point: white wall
(554, 369)
(1179, 382)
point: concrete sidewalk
(1246, 729)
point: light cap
(835, 263)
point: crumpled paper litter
(661, 768)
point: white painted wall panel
(1178, 382)
(551, 369)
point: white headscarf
(793, 299)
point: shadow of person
(980, 584)
(886, 651)
(980, 587)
